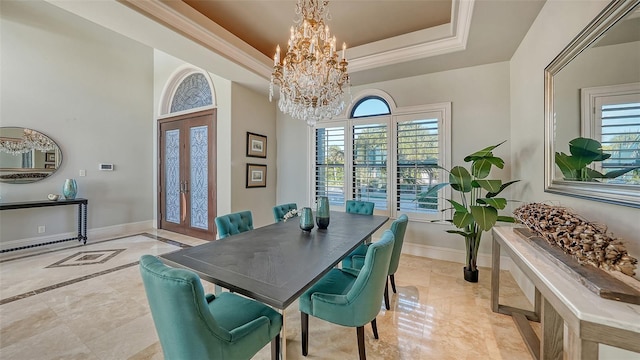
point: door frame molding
(212, 113)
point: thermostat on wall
(105, 167)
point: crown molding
(420, 44)
(182, 18)
(455, 39)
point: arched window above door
(188, 89)
(193, 92)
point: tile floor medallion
(87, 258)
(88, 302)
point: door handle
(184, 187)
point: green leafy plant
(477, 209)
(585, 151)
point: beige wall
(90, 90)
(252, 112)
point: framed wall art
(256, 175)
(256, 145)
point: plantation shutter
(369, 177)
(417, 165)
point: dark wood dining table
(276, 263)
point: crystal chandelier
(31, 140)
(37, 141)
(311, 78)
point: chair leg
(393, 283)
(304, 324)
(375, 328)
(275, 348)
(361, 352)
(386, 296)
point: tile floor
(88, 302)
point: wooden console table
(82, 218)
(562, 304)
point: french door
(186, 174)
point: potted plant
(584, 151)
(477, 209)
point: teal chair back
(234, 223)
(359, 207)
(368, 289)
(185, 327)
(360, 296)
(398, 228)
(184, 316)
(280, 210)
(349, 297)
(356, 259)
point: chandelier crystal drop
(31, 140)
(311, 76)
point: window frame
(441, 111)
(592, 99)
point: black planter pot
(470, 275)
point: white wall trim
(181, 17)
(457, 41)
(447, 254)
(92, 235)
(420, 44)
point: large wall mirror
(27, 155)
(592, 101)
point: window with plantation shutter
(611, 115)
(393, 157)
(370, 164)
(621, 138)
(329, 179)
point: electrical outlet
(83, 173)
(41, 229)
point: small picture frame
(50, 157)
(49, 166)
(256, 175)
(256, 145)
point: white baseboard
(484, 260)
(92, 235)
(454, 255)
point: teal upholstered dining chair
(192, 325)
(234, 223)
(349, 297)
(362, 208)
(355, 260)
(359, 207)
(280, 210)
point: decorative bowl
(53, 197)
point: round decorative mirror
(27, 155)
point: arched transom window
(193, 92)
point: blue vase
(70, 189)
(306, 219)
(322, 212)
